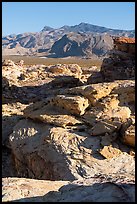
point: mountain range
(83, 40)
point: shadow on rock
(27, 94)
(95, 192)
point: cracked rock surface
(64, 139)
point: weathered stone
(121, 62)
(125, 44)
(45, 152)
(69, 133)
(103, 126)
(73, 104)
(11, 73)
(70, 69)
(110, 152)
(94, 189)
(126, 92)
(11, 114)
(128, 133)
(28, 189)
(8, 62)
(93, 92)
(46, 112)
(121, 112)
(65, 81)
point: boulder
(110, 152)
(49, 113)
(74, 104)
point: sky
(20, 17)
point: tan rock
(126, 94)
(125, 44)
(93, 92)
(93, 189)
(70, 69)
(73, 104)
(45, 152)
(120, 112)
(13, 109)
(109, 102)
(11, 115)
(8, 62)
(12, 73)
(110, 152)
(45, 112)
(129, 136)
(55, 139)
(24, 188)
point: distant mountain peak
(47, 28)
(75, 40)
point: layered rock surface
(121, 63)
(97, 189)
(60, 128)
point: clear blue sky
(20, 17)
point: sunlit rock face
(74, 137)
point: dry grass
(28, 60)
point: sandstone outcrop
(79, 137)
(46, 152)
(121, 62)
(97, 189)
(71, 133)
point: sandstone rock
(45, 152)
(125, 44)
(11, 114)
(68, 130)
(28, 189)
(121, 62)
(71, 69)
(110, 152)
(73, 104)
(20, 63)
(122, 40)
(128, 133)
(65, 81)
(120, 112)
(93, 189)
(93, 92)
(103, 126)
(11, 73)
(129, 136)
(125, 91)
(46, 112)
(8, 62)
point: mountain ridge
(45, 40)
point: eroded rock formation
(77, 136)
